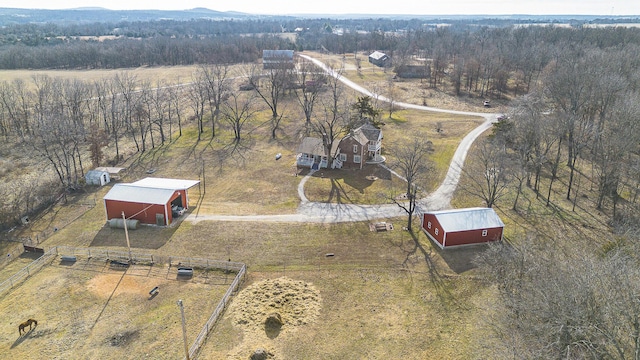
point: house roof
(467, 219)
(377, 55)
(94, 173)
(313, 146)
(109, 169)
(370, 132)
(278, 54)
(139, 194)
(163, 183)
(357, 136)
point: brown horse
(25, 324)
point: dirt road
(331, 213)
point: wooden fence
(137, 257)
(213, 319)
(26, 271)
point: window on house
(429, 225)
(355, 149)
(436, 231)
(356, 159)
(484, 232)
(343, 157)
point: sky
(338, 7)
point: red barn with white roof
(149, 200)
(457, 227)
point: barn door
(160, 219)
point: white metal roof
(377, 55)
(109, 169)
(163, 183)
(468, 219)
(139, 194)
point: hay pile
(297, 302)
(268, 310)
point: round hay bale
(261, 354)
(273, 321)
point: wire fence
(27, 271)
(213, 319)
(13, 251)
(106, 254)
(138, 257)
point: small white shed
(97, 177)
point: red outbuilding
(150, 200)
(457, 227)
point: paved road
(331, 213)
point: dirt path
(331, 213)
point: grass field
(381, 295)
(89, 310)
(382, 287)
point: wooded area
(572, 129)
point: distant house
(277, 59)
(360, 146)
(413, 71)
(379, 59)
(458, 227)
(97, 177)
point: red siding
(434, 225)
(346, 147)
(460, 237)
(115, 208)
(473, 237)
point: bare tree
(237, 110)
(97, 139)
(488, 172)
(555, 302)
(311, 83)
(620, 136)
(333, 123)
(126, 88)
(412, 163)
(392, 95)
(217, 81)
(271, 87)
(197, 95)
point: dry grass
(582, 226)
(171, 74)
(89, 311)
(407, 90)
(382, 295)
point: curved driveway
(331, 213)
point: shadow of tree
(344, 182)
(438, 279)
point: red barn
(462, 226)
(149, 200)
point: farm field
(388, 289)
(90, 310)
(379, 295)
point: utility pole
(126, 234)
(184, 330)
